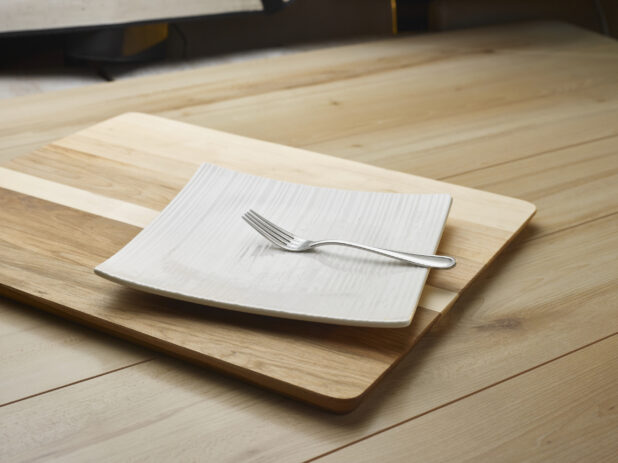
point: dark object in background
(280, 24)
(145, 42)
(119, 44)
(597, 15)
(292, 22)
(98, 33)
(301, 21)
(412, 15)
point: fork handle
(427, 261)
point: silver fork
(288, 241)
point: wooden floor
(523, 367)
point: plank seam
(523, 372)
(308, 146)
(541, 153)
(569, 227)
(77, 382)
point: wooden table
(523, 367)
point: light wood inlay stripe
(437, 299)
(76, 198)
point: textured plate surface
(200, 250)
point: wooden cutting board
(70, 205)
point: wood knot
(501, 324)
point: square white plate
(200, 250)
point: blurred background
(49, 45)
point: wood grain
(65, 352)
(76, 198)
(61, 113)
(575, 184)
(542, 299)
(492, 336)
(49, 247)
(533, 425)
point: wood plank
(70, 235)
(574, 184)
(493, 336)
(428, 142)
(57, 114)
(564, 411)
(77, 198)
(448, 144)
(40, 352)
(426, 98)
(137, 185)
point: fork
(288, 241)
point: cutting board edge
(331, 403)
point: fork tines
(267, 229)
